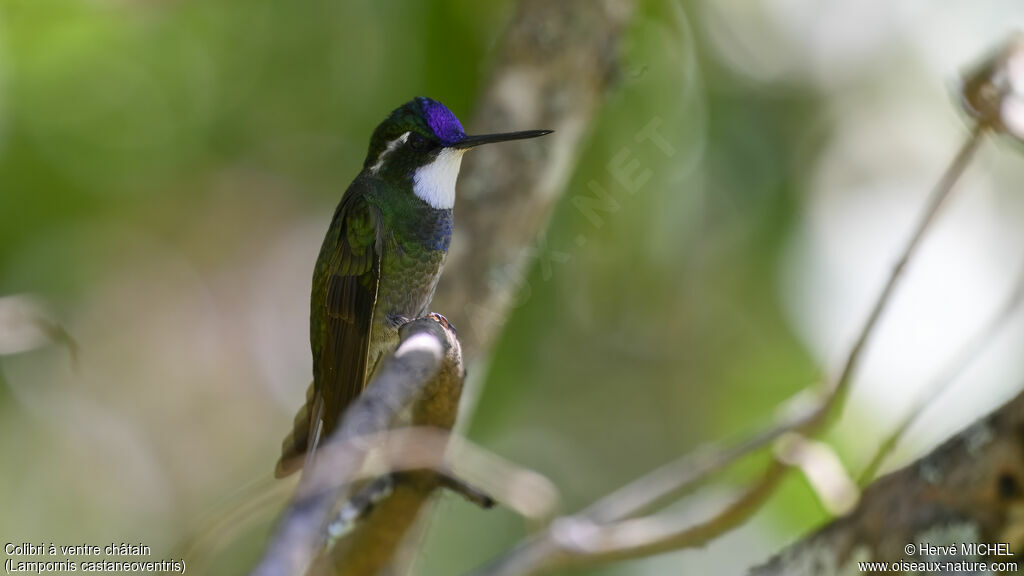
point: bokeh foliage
(167, 168)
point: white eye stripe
(387, 150)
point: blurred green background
(168, 168)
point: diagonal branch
(605, 535)
(948, 376)
(426, 459)
(426, 345)
(548, 549)
(554, 65)
(371, 545)
(686, 472)
(968, 490)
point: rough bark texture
(372, 544)
(970, 489)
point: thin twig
(948, 376)
(964, 488)
(520, 489)
(938, 198)
(367, 543)
(987, 86)
(683, 474)
(663, 532)
(539, 552)
(686, 472)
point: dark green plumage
(378, 265)
(380, 260)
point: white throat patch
(388, 150)
(435, 182)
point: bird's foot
(440, 319)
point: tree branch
(425, 364)
(553, 67)
(970, 489)
(556, 80)
(554, 64)
(606, 520)
(978, 344)
(372, 543)
(604, 530)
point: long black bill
(471, 141)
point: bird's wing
(344, 294)
(353, 274)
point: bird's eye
(418, 142)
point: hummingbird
(380, 260)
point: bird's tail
(296, 445)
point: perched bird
(381, 259)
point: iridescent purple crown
(442, 122)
